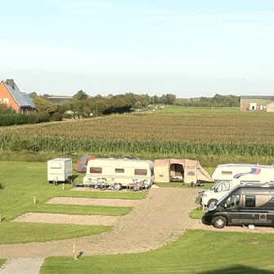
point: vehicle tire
(211, 201)
(219, 222)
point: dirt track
(160, 218)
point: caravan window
(140, 172)
(119, 170)
(95, 170)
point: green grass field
(22, 181)
(210, 135)
(195, 252)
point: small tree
(80, 95)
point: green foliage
(44, 106)
(11, 119)
(80, 95)
(4, 109)
(195, 252)
(216, 101)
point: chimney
(10, 82)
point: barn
(255, 103)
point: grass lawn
(2, 261)
(196, 252)
(82, 209)
(197, 213)
(30, 232)
(22, 181)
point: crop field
(172, 132)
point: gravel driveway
(160, 218)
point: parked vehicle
(228, 176)
(244, 205)
(119, 173)
(59, 170)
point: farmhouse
(256, 103)
(11, 95)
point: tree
(80, 95)
(45, 108)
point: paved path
(22, 266)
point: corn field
(207, 133)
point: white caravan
(227, 176)
(59, 170)
(123, 172)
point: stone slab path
(22, 266)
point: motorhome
(122, 172)
(228, 176)
(244, 205)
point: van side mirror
(225, 205)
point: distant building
(11, 96)
(270, 107)
(255, 103)
(58, 100)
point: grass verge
(197, 251)
(30, 232)
(82, 210)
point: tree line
(83, 106)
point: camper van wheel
(211, 201)
(219, 222)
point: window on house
(95, 170)
(140, 172)
(6, 101)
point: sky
(187, 48)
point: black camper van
(244, 205)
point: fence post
(74, 252)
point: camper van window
(224, 172)
(232, 201)
(119, 170)
(250, 201)
(95, 170)
(223, 186)
(140, 172)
